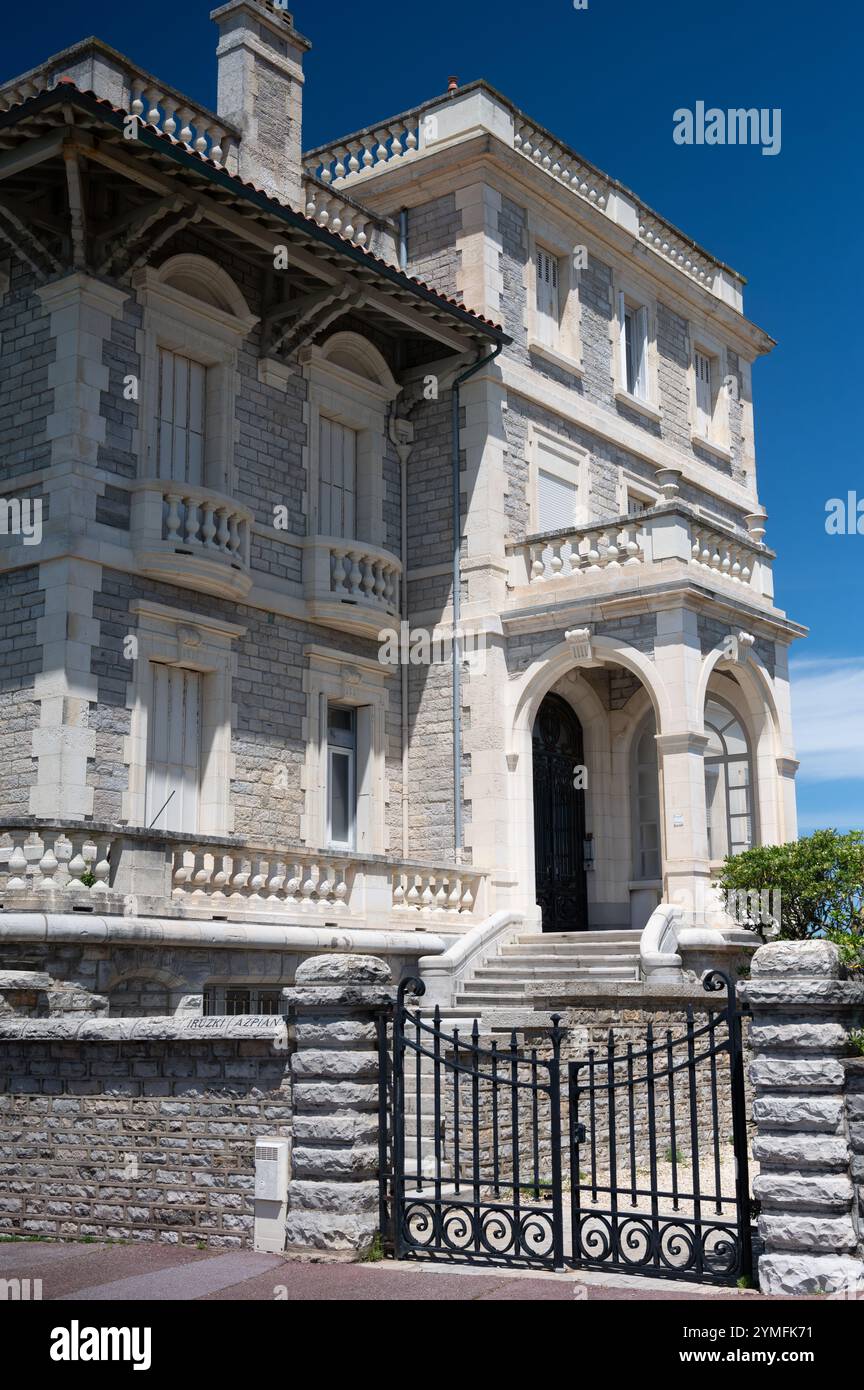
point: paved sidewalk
(76, 1272)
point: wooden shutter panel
(640, 326)
(547, 297)
(181, 418)
(622, 339)
(337, 479)
(174, 749)
(704, 393)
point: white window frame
(333, 677)
(211, 336)
(631, 484)
(647, 723)
(175, 637)
(360, 402)
(716, 438)
(631, 295)
(564, 459)
(721, 762)
(566, 351)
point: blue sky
(607, 80)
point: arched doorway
(559, 817)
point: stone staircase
(553, 958)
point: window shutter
(181, 412)
(704, 393)
(622, 339)
(556, 502)
(547, 298)
(174, 751)
(337, 479)
(640, 347)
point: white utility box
(272, 1174)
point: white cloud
(828, 714)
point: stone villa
(269, 406)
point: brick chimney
(260, 56)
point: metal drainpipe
(457, 604)
(403, 239)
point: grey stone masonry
(802, 1014)
(138, 1129)
(333, 1194)
(855, 1119)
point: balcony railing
(115, 870)
(351, 582)
(351, 163)
(613, 550)
(192, 535)
(342, 215)
(94, 66)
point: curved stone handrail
(69, 929)
(442, 973)
(658, 956)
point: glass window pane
(340, 797)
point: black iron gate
(651, 1178)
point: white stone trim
(639, 292)
(180, 638)
(571, 463)
(180, 322)
(557, 240)
(360, 403)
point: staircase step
(544, 966)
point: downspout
(403, 239)
(403, 450)
(457, 601)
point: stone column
(802, 1013)
(333, 1194)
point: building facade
(395, 559)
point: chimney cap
(452, 84)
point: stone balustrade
(366, 152)
(437, 893)
(546, 152)
(94, 66)
(55, 868)
(351, 583)
(212, 882)
(149, 874)
(178, 529)
(674, 247)
(337, 214)
(589, 551)
(671, 531)
(723, 554)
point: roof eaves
(162, 143)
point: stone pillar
(333, 1195)
(260, 90)
(802, 1013)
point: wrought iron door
(559, 818)
(658, 1150)
(477, 1144)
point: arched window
(645, 800)
(728, 782)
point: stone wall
(121, 1135)
(806, 1133)
(855, 1122)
